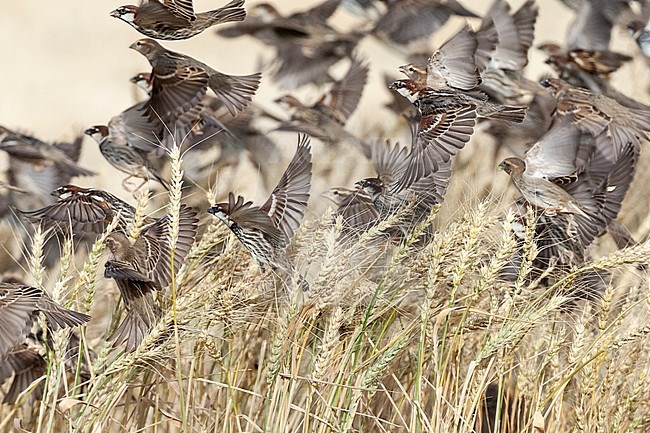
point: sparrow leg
(125, 183)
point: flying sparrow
(19, 308)
(83, 210)
(122, 156)
(175, 19)
(179, 83)
(265, 231)
(144, 267)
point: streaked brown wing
(235, 92)
(439, 136)
(27, 365)
(180, 8)
(345, 94)
(155, 12)
(155, 241)
(84, 213)
(453, 64)
(287, 204)
(250, 217)
(58, 317)
(17, 309)
(358, 211)
(124, 271)
(175, 90)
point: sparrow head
(147, 47)
(125, 13)
(512, 166)
(221, 211)
(412, 71)
(143, 81)
(550, 48)
(337, 195)
(554, 84)
(372, 186)
(117, 243)
(406, 88)
(97, 132)
(65, 191)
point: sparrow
(265, 231)
(326, 118)
(39, 167)
(144, 267)
(595, 114)
(84, 211)
(405, 21)
(562, 238)
(179, 83)
(355, 207)
(449, 66)
(390, 194)
(306, 47)
(430, 99)
(124, 157)
(27, 363)
(234, 135)
(19, 308)
(175, 19)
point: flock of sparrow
(586, 139)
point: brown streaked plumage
(83, 210)
(265, 231)
(142, 268)
(175, 19)
(179, 83)
(19, 308)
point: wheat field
(423, 336)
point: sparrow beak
(403, 70)
(545, 83)
(116, 13)
(393, 86)
(212, 210)
(134, 46)
(90, 131)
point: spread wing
(250, 217)
(453, 64)
(17, 307)
(287, 204)
(345, 94)
(181, 8)
(438, 137)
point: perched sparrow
(407, 20)
(306, 46)
(83, 210)
(122, 156)
(179, 83)
(326, 119)
(142, 268)
(598, 113)
(20, 305)
(175, 19)
(265, 231)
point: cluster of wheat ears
(420, 337)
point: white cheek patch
(128, 17)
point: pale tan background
(66, 64)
